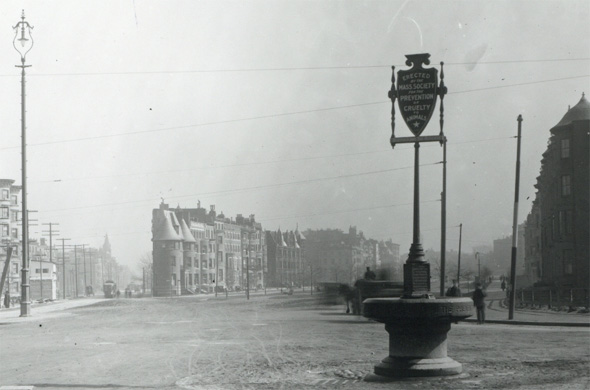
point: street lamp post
(26, 44)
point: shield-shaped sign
(417, 92)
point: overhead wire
(450, 144)
(246, 188)
(278, 115)
(303, 68)
(302, 112)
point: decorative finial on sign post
(392, 95)
(418, 59)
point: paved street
(270, 342)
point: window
(14, 233)
(45, 270)
(4, 230)
(568, 264)
(174, 279)
(565, 148)
(5, 193)
(4, 212)
(173, 260)
(566, 185)
(15, 268)
(14, 199)
(568, 222)
(561, 223)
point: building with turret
(195, 250)
(557, 244)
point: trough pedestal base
(417, 334)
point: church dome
(579, 112)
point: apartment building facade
(559, 251)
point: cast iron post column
(443, 222)
(416, 251)
(443, 196)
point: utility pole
(6, 268)
(63, 264)
(91, 267)
(459, 259)
(248, 269)
(515, 226)
(76, 269)
(311, 277)
(84, 259)
(51, 233)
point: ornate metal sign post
(417, 323)
(416, 93)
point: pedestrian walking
(7, 299)
(454, 290)
(479, 303)
(503, 285)
(370, 275)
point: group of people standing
(478, 297)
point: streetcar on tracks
(110, 289)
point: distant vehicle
(110, 289)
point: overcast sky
(131, 101)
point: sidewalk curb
(537, 323)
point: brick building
(341, 257)
(286, 259)
(559, 250)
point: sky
(280, 109)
